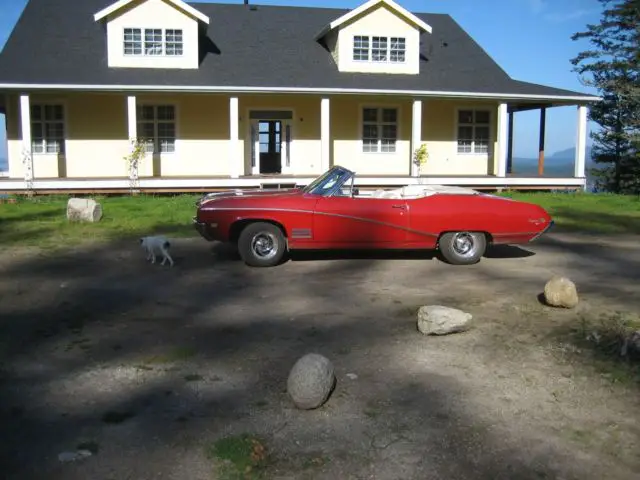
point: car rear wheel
(262, 244)
(462, 248)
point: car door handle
(398, 206)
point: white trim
(379, 106)
(150, 182)
(25, 133)
(581, 143)
(286, 170)
(491, 125)
(237, 89)
(176, 3)
(416, 133)
(370, 4)
(502, 139)
(235, 166)
(132, 118)
(325, 134)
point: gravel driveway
(147, 365)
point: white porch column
(581, 143)
(235, 166)
(25, 124)
(416, 133)
(325, 135)
(132, 118)
(503, 122)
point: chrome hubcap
(264, 245)
(463, 244)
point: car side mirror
(355, 191)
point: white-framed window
(153, 41)
(379, 49)
(157, 127)
(474, 131)
(47, 128)
(379, 129)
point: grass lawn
(42, 220)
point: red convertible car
(330, 213)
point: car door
(360, 222)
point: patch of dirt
(151, 365)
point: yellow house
(233, 96)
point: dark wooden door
(270, 140)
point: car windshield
(328, 182)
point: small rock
(311, 381)
(83, 210)
(440, 320)
(73, 456)
(561, 292)
(352, 376)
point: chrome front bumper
(203, 229)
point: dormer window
(379, 49)
(156, 41)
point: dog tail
(166, 245)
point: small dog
(155, 243)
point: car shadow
(507, 251)
(365, 254)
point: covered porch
(200, 141)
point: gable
(377, 39)
(123, 5)
(151, 34)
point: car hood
(237, 193)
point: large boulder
(560, 292)
(440, 320)
(83, 210)
(311, 381)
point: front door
(270, 141)
(270, 146)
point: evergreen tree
(612, 66)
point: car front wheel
(462, 248)
(262, 244)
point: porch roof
(57, 44)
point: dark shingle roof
(58, 42)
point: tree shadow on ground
(188, 354)
(575, 220)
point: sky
(530, 39)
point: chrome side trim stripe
(311, 212)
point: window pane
(166, 112)
(360, 48)
(166, 130)
(482, 133)
(482, 140)
(389, 115)
(145, 130)
(53, 146)
(369, 145)
(36, 131)
(53, 112)
(398, 47)
(389, 132)
(465, 116)
(370, 115)
(37, 146)
(132, 41)
(465, 133)
(167, 146)
(145, 112)
(379, 49)
(153, 41)
(370, 132)
(54, 131)
(36, 112)
(174, 42)
(482, 117)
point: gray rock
(311, 381)
(440, 320)
(561, 292)
(83, 210)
